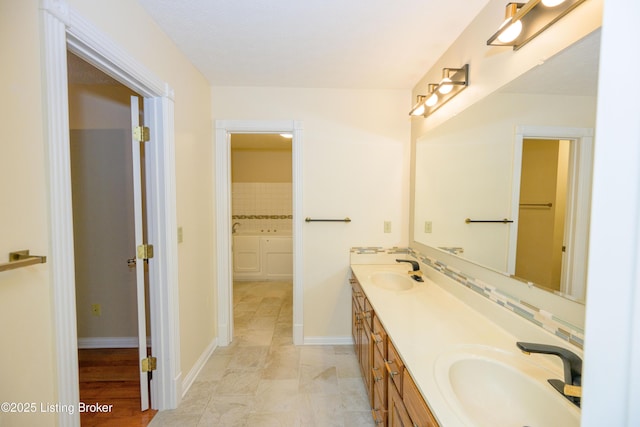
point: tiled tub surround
(548, 321)
(432, 321)
(261, 206)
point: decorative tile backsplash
(262, 205)
(530, 312)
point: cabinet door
(397, 416)
(246, 254)
(395, 366)
(416, 406)
(277, 255)
(365, 356)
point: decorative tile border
(544, 319)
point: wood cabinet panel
(394, 366)
(416, 406)
(397, 413)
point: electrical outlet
(96, 310)
(428, 226)
(387, 226)
(180, 235)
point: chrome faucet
(234, 227)
(571, 388)
(415, 272)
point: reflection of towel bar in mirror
(308, 219)
(536, 205)
(20, 259)
(503, 221)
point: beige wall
(355, 164)
(101, 179)
(260, 165)
(28, 370)
(27, 364)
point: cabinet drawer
(379, 408)
(379, 336)
(394, 366)
(416, 406)
(379, 374)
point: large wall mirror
(506, 183)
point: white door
(139, 239)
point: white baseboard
(197, 367)
(328, 340)
(110, 342)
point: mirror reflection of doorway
(543, 204)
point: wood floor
(110, 377)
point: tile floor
(263, 380)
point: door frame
(65, 29)
(222, 167)
(576, 237)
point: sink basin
(392, 280)
(490, 388)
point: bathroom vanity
(435, 353)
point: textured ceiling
(377, 44)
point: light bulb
(418, 111)
(552, 3)
(433, 99)
(445, 88)
(511, 32)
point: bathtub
(262, 255)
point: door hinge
(149, 364)
(141, 133)
(145, 251)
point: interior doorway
(66, 29)
(543, 205)
(261, 229)
(105, 164)
(224, 220)
(570, 171)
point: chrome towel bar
(503, 221)
(308, 219)
(20, 259)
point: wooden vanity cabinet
(379, 372)
(362, 315)
(393, 395)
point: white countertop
(427, 322)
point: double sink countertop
(432, 329)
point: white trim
(63, 28)
(61, 262)
(328, 340)
(198, 366)
(221, 162)
(579, 193)
(110, 342)
(611, 381)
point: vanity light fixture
(418, 108)
(453, 81)
(524, 21)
